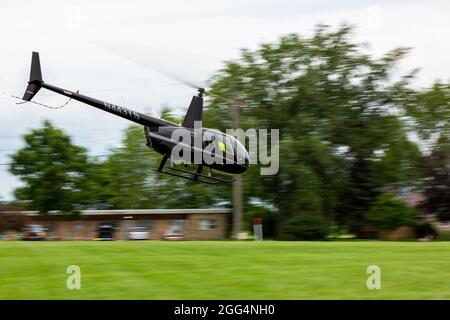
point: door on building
(106, 231)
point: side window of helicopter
(220, 144)
(224, 144)
(229, 145)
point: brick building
(191, 224)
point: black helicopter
(234, 158)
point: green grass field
(224, 270)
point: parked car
(138, 233)
(173, 234)
(34, 232)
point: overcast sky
(78, 43)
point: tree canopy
(54, 171)
(437, 182)
(343, 139)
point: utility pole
(237, 184)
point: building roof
(140, 211)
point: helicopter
(159, 133)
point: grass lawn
(224, 270)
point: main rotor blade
(177, 78)
(152, 59)
(140, 57)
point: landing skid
(191, 175)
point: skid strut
(196, 175)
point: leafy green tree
(339, 114)
(437, 184)
(125, 176)
(430, 111)
(53, 170)
(389, 213)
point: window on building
(176, 226)
(79, 225)
(207, 224)
(147, 224)
(49, 226)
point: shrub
(443, 236)
(389, 213)
(306, 227)
(425, 229)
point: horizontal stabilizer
(31, 90)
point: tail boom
(36, 83)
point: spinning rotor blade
(140, 56)
(188, 83)
(195, 86)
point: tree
(430, 111)
(389, 213)
(54, 171)
(437, 184)
(125, 175)
(339, 114)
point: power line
(74, 131)
(79, 142)
(96, 156)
